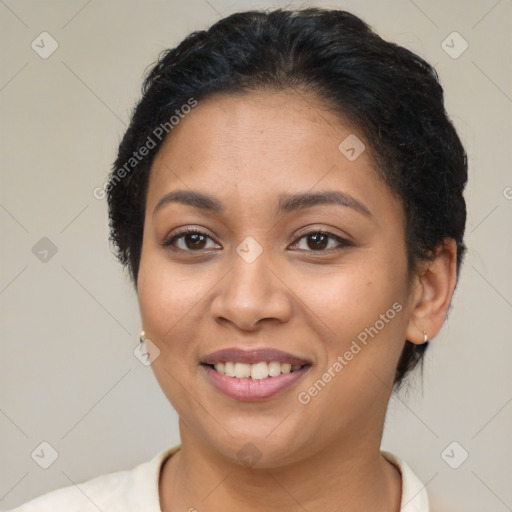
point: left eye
(195, 241)
(319, 240)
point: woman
(288, 201)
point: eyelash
(169, 242)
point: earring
(425, 337)
(142, 337)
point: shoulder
(134, 489)
(414, 493)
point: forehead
(251, 148)
(282, 124)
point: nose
(250, 293)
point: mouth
(256, 371)
(255, 374)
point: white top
(136, 490)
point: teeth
(256, 371)
(229, 369)
(242, 370)
(259, 371)
(274, 368)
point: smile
(251, 375)
(257, 371)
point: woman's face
(325, 314)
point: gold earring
(142, 337)
(425, 337)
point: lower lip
(251, 390)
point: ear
(433, 288)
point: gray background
(70, 323)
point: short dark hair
(392, 95)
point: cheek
(363, 311)
(168, 300)
(169, 306)
(351, 299)
(349, 388)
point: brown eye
(189, 240)
(194, 241)
(318, 241)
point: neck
(351, 475)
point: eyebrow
(287, 202)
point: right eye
(192, 240)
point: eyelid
(325, 231)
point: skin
(246, 150)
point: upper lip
(239, 355)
